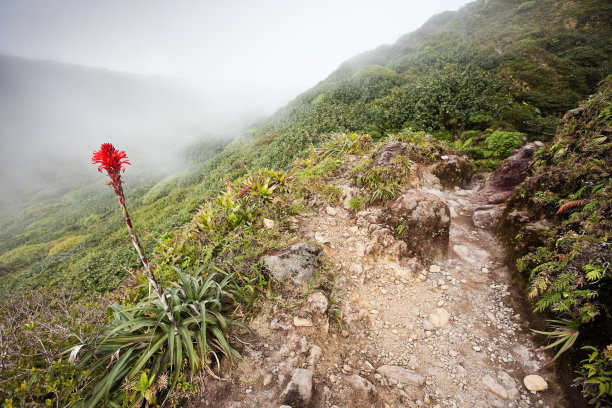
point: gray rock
(331, 211)
(302, 319)
(320, 238)
(402, 375)
(280, 322)
(494, 387)
(315, 354)
(348, 193)
(363, 388)
(298, 392)
(427, 325)
(486, 218)
(439, 318)
(506, 379)
(388, 152)
(423, 222)
(267, 380)
(453, 170)
(499, 198)
(470, 256)
(299, 263)
(316, 303)
(357, 269)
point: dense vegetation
(480, 80)
(492, 66)
(559, 224)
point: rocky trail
(397, 334)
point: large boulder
(299, 263)
(512, 171)
(453, 170)
(422, 221)
(388, 152)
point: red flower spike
(110, 159)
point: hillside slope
(493, 64)
(480, 80)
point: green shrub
(503, 143)
(442, 99)
(64, 244)
(356, 203)
(23, 256)
(526, 5)
(595, 375)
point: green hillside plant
(565, 265)
(141, 353)
(112, 161)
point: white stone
(331, 211)
(268, 223)
(316, 303)
(428, 326)
(535, 383)
(439, 318)
(434, 268)
(320, 238)
(315, 354)
(356, 269)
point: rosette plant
(146, 349)
(112, 161)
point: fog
(151, 76)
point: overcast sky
(266, 51)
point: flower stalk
(112, 161)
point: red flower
(110, 159)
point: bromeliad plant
(112, 160)
(144, 340)
(149, 345)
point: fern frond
(547, 300)
(538, 287)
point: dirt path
(449, 336)
(453, 326)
